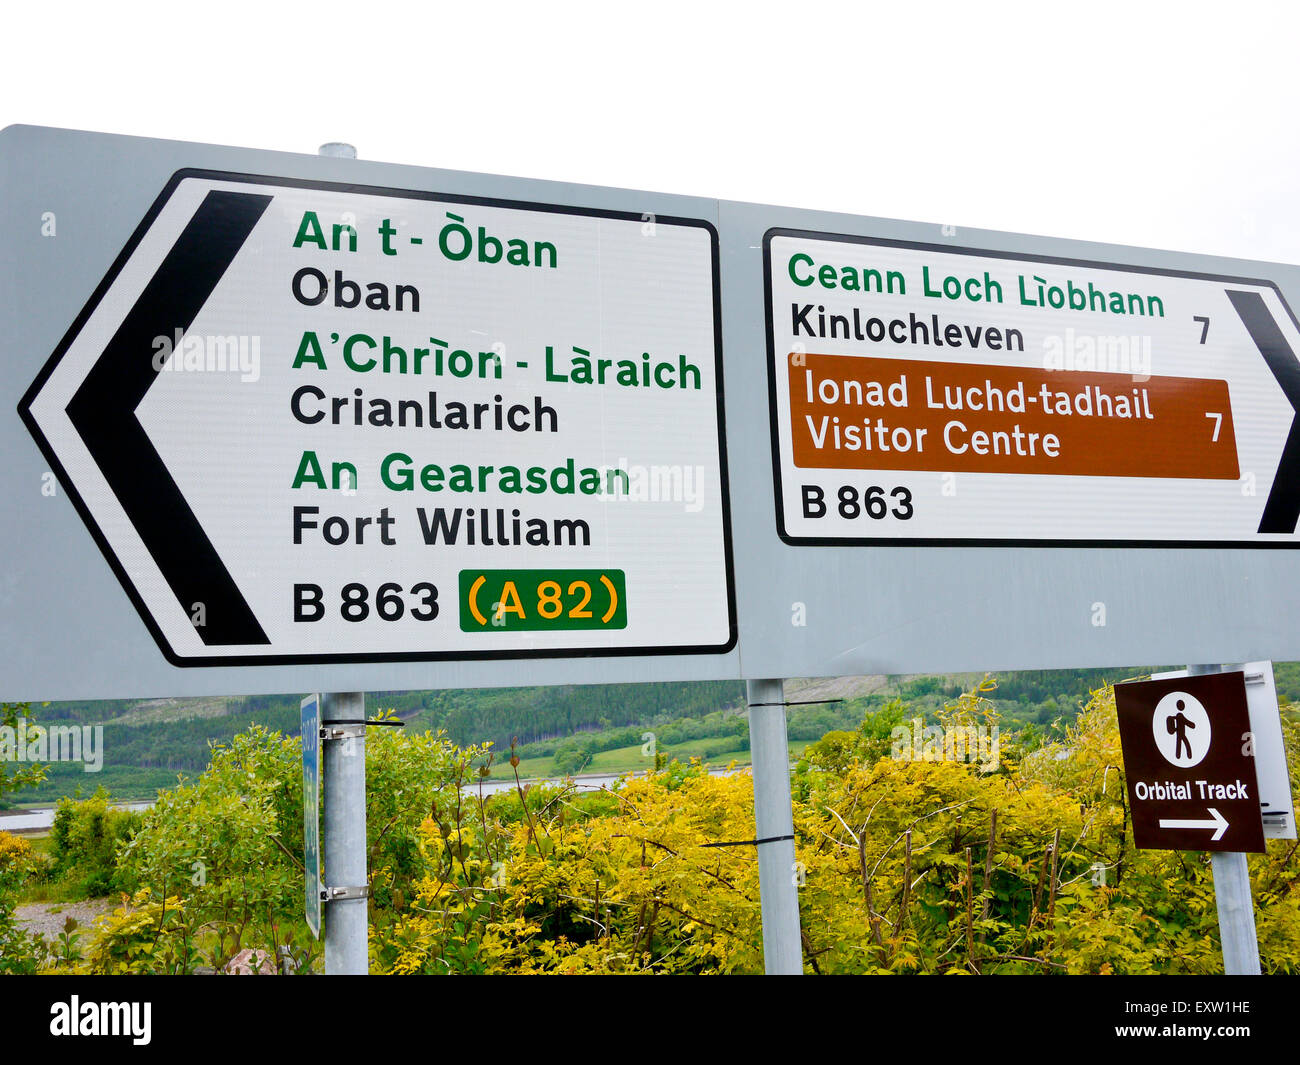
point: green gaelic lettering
(310, 232)
(309, 352)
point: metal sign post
(774, 828)
(343, 730)
(1236, 913)
(1232, 898)
(1189, 760)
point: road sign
(311, 811)
(305, 420)
(183, 477)
(1276, 804)
(1189, 763)
(931, 394)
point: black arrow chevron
(103, 412)
(1282, 508)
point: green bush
(85, 838)
(216, 866)
(574, 756)
(20, 952)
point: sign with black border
(223, 254)
(935, 395)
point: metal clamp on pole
(348, 731)
(750, 842)
(344, 730)
(344, 894)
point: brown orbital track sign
(1190, 764)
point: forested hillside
(557, 729)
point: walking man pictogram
(1178, 724)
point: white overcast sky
(1165, 125)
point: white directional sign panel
(313, 422)
(929, 394)
(287, 423)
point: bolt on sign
(1076, 401)
(1189, 763)
(310, 422)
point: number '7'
(1218, 422)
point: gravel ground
(47, 917)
